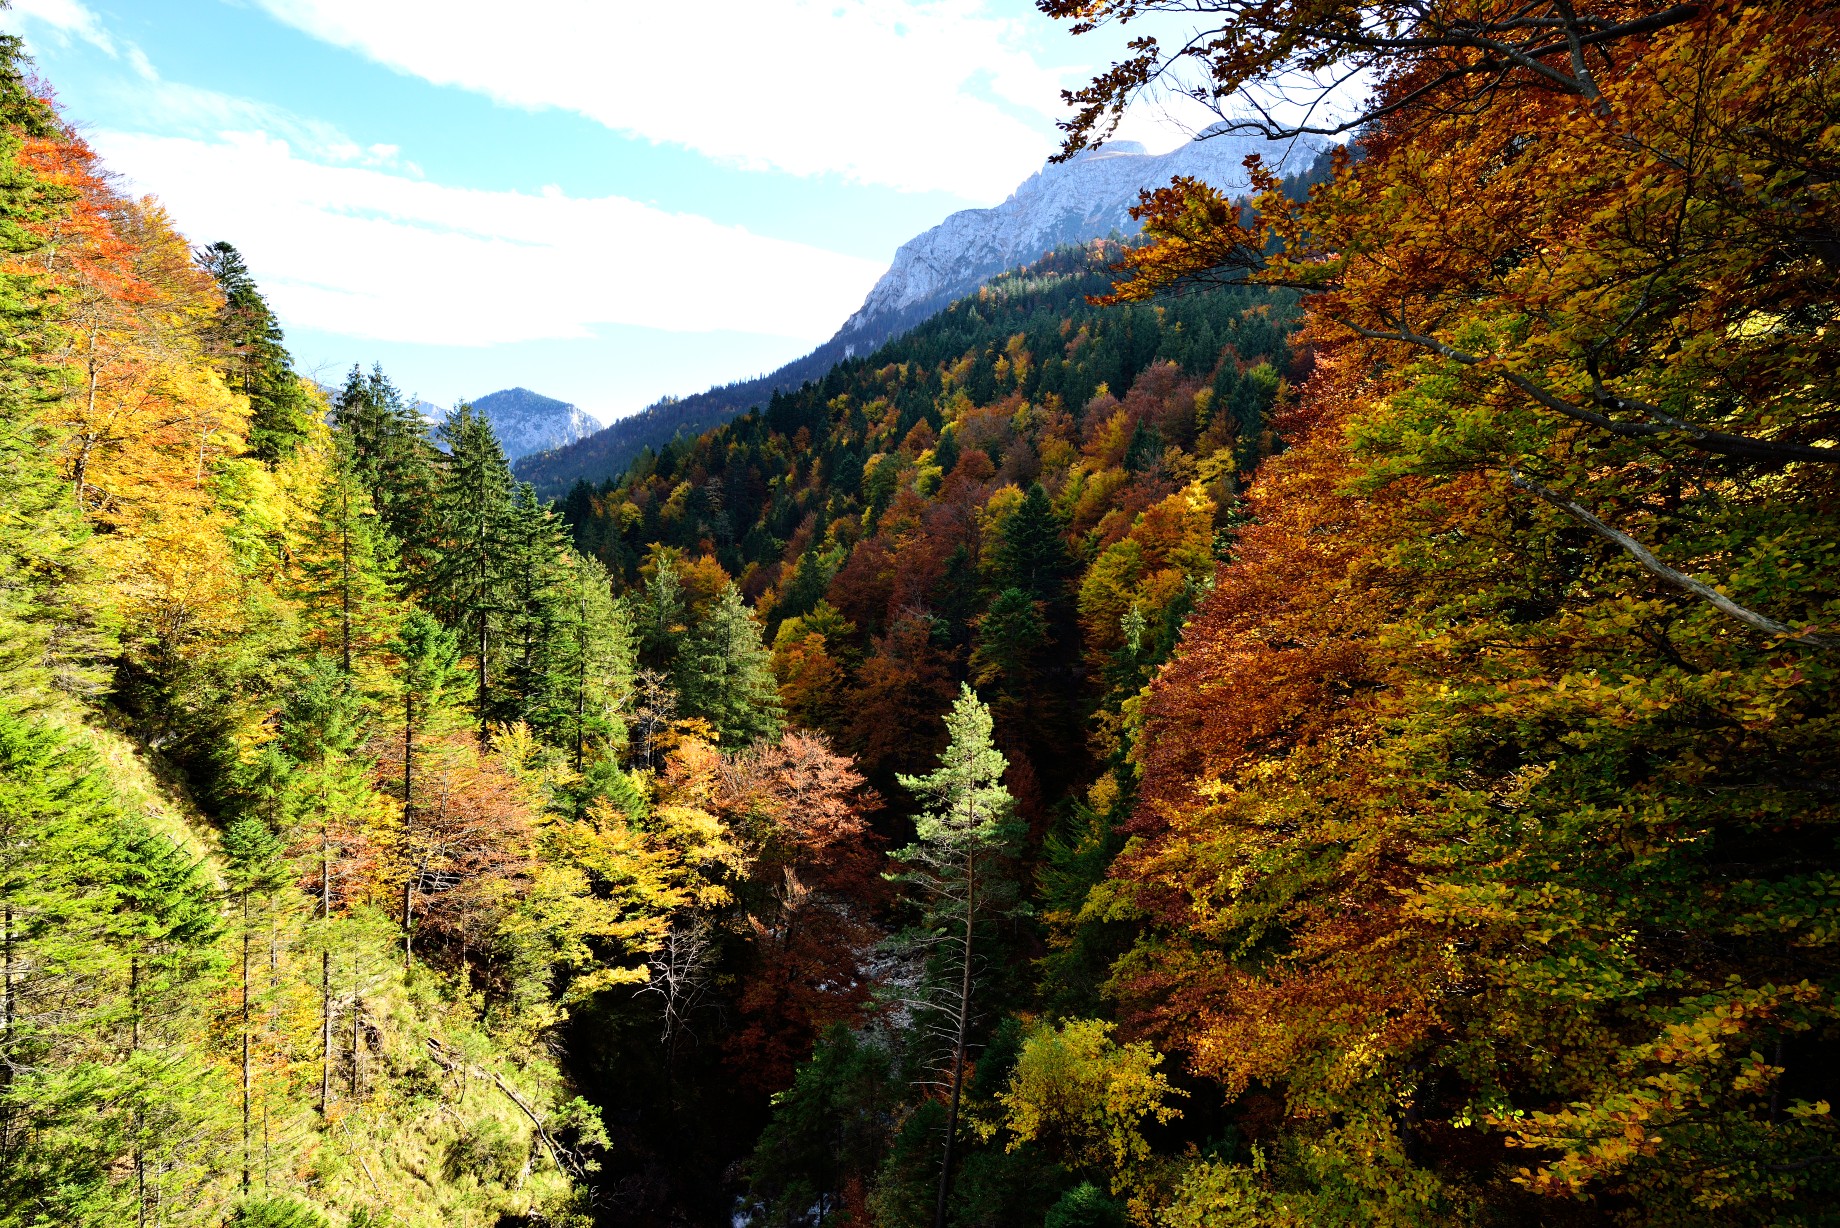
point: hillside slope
(1088, 198)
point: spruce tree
(250, 343)
(394, 459)
(591, 664)
(471, 582)
(49, 631)
(1031, 556)
(254, 866)
(725, 674)
(535, 554)
(348, 570)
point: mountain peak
(527, 422)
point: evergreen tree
(249, 340)
(255, 866)
(471, 583)
(591, 664)
(349, 576)
(955, 866)
(662, 615)
(58, 824)
(535, 559)
(1031, 556)
(725, 674)
(394, 459)
(1011, 639)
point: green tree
(43, 615)
(254, 865)
(955, 866)
(591, 664)
(1031, 556)
(470, 584)
(536, 561)
(725, 673)
(349, 576)
(249, 341)
(394, 459)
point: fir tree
(725, 674)
(393, 458)
(430, 681)
(591, 664)
(349, 576)
(47, 629)
(249, 341)
(1031, 556)
(471, 583)
(535, 554)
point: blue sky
(596, 199)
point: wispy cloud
(351, 239)
(370, 253)
(914, 94)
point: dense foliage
(1323, 716)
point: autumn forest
(1324, 711)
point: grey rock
(527, 422)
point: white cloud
(66, 19)
(367, 253)
(914, 94)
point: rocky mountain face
(1072, 202)
(1087, 198)
(527, 422)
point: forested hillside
(1325, 715)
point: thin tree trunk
(245, 1041)
(482, 670)
(408, 822)
(958, 1048)
(6, 1068)
(325, 1031)
(581, 680)
(345, 584)
(357, 1016)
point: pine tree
(725, 674)
(254, 865)
(249, 341)
(954, 863)
(471, 583)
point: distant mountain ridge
(527, 422)
(1073, 202)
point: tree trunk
(958, 1047)
(345, 586)
(482, 671)
(6, 1067)
(245, 1041)
(357, 1016)
(408, 821)
(325, 1031)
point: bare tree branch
(1655, 567)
